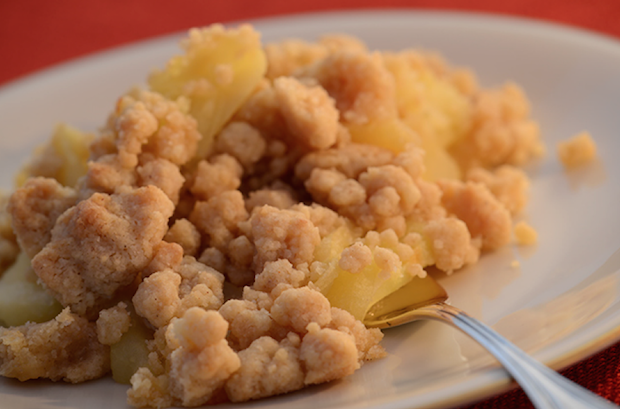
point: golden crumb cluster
(222, 237)
(577, 151)
(525, 234)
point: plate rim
(538, 23)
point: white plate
(559, 305)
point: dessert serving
(224, 233)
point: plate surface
(561, 303)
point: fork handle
(546, 388)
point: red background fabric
(35, 34)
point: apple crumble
(223, 235)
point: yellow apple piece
(131, 352)
(389, 133)
(428, 102)
(63, 158)
(22, 299)
(218, 72)
(357, 292)
(328, 252)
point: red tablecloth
(37, 33)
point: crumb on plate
(525, 234)
(577, 151)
